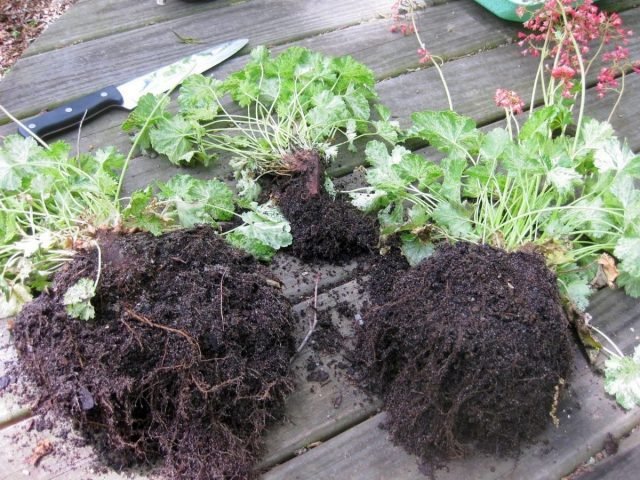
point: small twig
(187, 40)
(314, 322)
(133, 332)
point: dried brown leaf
(43, 448)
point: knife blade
(127, 95)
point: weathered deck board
(625, 464)
(111, 17)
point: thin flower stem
(583, 82)
(434, 60)
(615, 105)
(99, 250)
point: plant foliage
(571, 201)
(298, 100)
(52, 202)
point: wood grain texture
(89, 20)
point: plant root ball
(471, 351)
(323, 228)
(186, 361)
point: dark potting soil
(323, 228)
(468, 351)
(186, 361)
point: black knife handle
(72, 113)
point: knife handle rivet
(68, 109)
(32, 126)
(103, 94)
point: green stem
(615, 106)
(434, 60)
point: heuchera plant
(53, 202)
(574, 198)
(297, 100)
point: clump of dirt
(186, 361)
(467, 351)
(323, 228)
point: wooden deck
(331, 430)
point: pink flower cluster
(399, 11)
(590, 28)
(509, 100)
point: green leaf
(329, 109)
(595, 134)
(353, 74)
(587, 214)
(392, 218)
(178, 138)
(414, 249)
(8, 227)
(494, 144)
(14, 158)
(579, 292)
(416, 168)
(264, 231)
(198, 201)
(541, 124)
(447, 131)
(633, 167)
(455, 220)
(630, 284)
(564, 179)
(453, 168)
(13, 298)
(140, 212)
(627, 250)
(254, 247)
(369, 199)
(612, 156)
(383, 175)
(199, 97)
(622, 379)
(357, 102)
(150, 111)
(267, 224)
(77, 299)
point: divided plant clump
(186, 361)
(299, 108)
(144, 339)
(507, 232)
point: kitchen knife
(127, 95)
